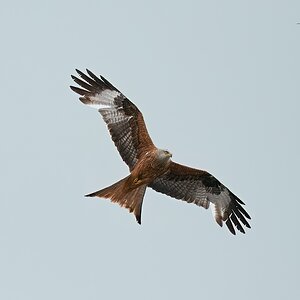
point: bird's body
(150, 166)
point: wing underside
(203, 189)
(124, 120)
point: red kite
(150, 166)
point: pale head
(163, 155)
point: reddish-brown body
(147, 169)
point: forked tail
(132, 199)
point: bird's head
(163, 155)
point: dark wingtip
(103, 78)
(241, 229)
(79, 90)
(230, 226)
(90, 73)
(138, 219)
(81, 74)
(90, 195)
(94, 77)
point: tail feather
(128, 198)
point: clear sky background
(218, 84)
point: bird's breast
(148, 168)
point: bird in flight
(150, 166)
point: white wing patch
(105, 99)
(219, 205)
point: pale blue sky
(218, 84)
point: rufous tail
(132, 199)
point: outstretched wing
(203, 189)
(124, 121)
